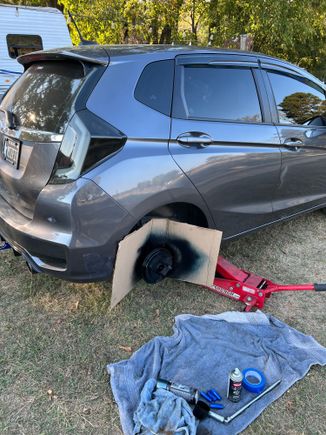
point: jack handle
(320, 287)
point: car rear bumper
(74, 232)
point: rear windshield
(42, 98)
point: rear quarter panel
(143, 175)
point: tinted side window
(154, 87)
(209, 92)
(298, 101)
(22, 44)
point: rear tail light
(87, 141)
(72, 153)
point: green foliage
(291, 29)
(49, 3)
(125, 21)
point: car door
(300, 112)
(222, 137)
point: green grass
(56, 337)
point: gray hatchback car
(96, 140)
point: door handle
(293, 144)
(194, 138)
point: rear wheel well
(178, 211)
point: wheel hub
(157, 265)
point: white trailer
(24, 29)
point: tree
(194, 20)
(302, 106)
(49, 3)
(291, 29)
(125, 21)
(294, 30)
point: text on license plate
(11, 151)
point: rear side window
(215, 93)
(154, 87)
(42, 98)
(298, 101)
(22, 44)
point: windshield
(42, 98)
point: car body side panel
(113, 100)
(236, 175)
(143, 175)
(238, 169)
(303, 175)
(303, 178)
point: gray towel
(162, 412)
(201, 353)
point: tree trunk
(55, 4)
(193, 20)
(166, 35)
(154, 27)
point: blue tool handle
(205, 396)
(217, 406)
(218, 397)
(211, 395)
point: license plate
(11, 151)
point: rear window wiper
(10, 119)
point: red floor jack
(243, 286)
(230, 281)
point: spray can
(235, 385)
(190, 394)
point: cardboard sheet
(196, 251)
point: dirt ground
(56, 337)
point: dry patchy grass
(56, 337)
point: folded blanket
(201, 353)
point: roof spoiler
(37, 56)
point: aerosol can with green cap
(235, 385)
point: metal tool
(241, 410)
(202, 409)
(190, 394)
(251, 289)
